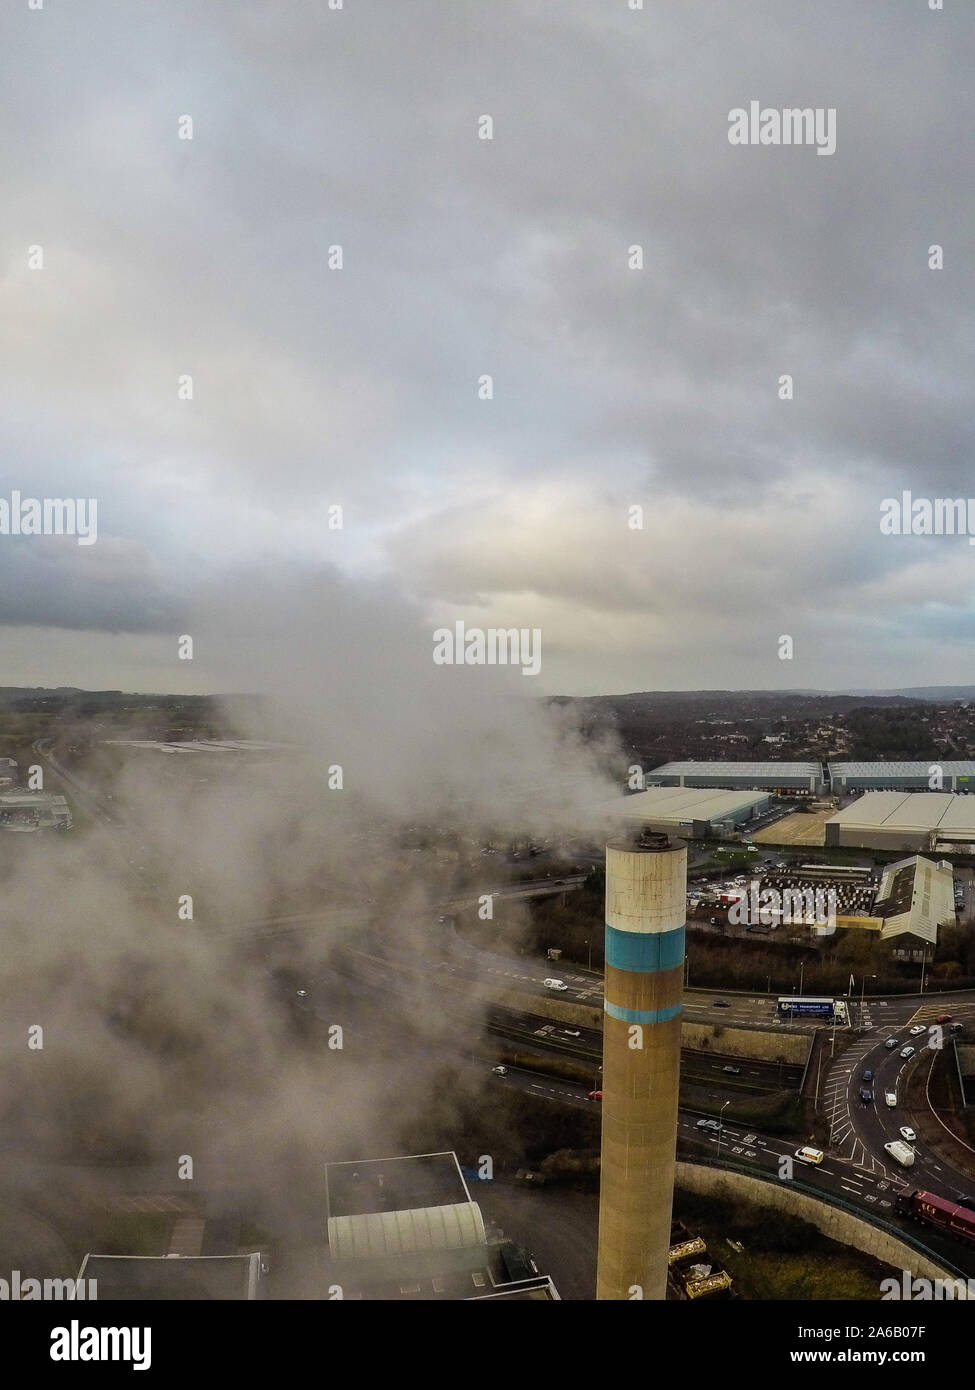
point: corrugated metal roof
(679, 804)
(907, 811)
(895, 770)
(722, 769)
(378, 1235)
(932, 900)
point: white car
(917, 1030)
(907, 1133)
(555, 984)
(906, 1052)
(499, 1071)
(807, 1155)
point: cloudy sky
(612, 387)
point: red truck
(937, 1211)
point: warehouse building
(691, 813)
(768, 776)
(902, 776)
(406, 1228)
(912, 821)
(915, 897)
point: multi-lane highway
(870, 1194)
(860, 1129)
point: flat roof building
(770, 776)
(164, 1277)
(690, 812)
(902, 776)
(910, 821)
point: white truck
(891, 1098)
(902, 1152)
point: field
(801, 828)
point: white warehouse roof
(895, 772)
(910, 811)
(766, 772)
(680, 805)
(377, 1235)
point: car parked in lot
(907, 1052)
(807, 1155)
(907, 1133)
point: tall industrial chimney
(646, 893)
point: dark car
(721, 1004)
(957, 1028)
(866, 1095)
(944, 1018)
(968, 1202)
(868, 1075)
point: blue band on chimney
(644, 953)
(642, 1015)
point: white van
(903, 1153)
(555, 984)
(891, 1098)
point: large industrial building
(689, 812)
(406, 1228)
(915, 898)
(912, 776)
(940, 822)
(768, 776)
